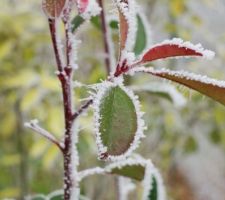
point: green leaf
(141, 37)
(77, 22)
(118, 121)
(114, 24)
(153, 194)
(136, 172)
(190, 145)
(96, 22)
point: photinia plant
(118, 121)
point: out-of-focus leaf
(190, 145)
(215, 136)
(136, 172)
(164, 90)
(77, 22)
(141, 37)
(114, 24)
(207, 86)
(118, 123)
(96, 22)
(53, 8)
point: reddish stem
(53, 31)
(105, 37)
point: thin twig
(105, 37)
(33, 124)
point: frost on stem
(117, 135)
(88, 8)
(33, 124)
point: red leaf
(210, 87)
(175, 48)
(123, 28)
(53, 8)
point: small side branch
(33, 124)
(82, 109)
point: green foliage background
(29, 89)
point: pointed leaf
(119, 125)
(141, 37)
(123, 28)
(207, 86)
(128, 25)
(53, 8)
(77, 22)
(175, 48)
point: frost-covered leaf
(210, 87)
(53, 8)
(117, 120)
(175, 48)
(123, 28)
(77, 22)
(164, 90)
(141, 37)
(127, 24)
